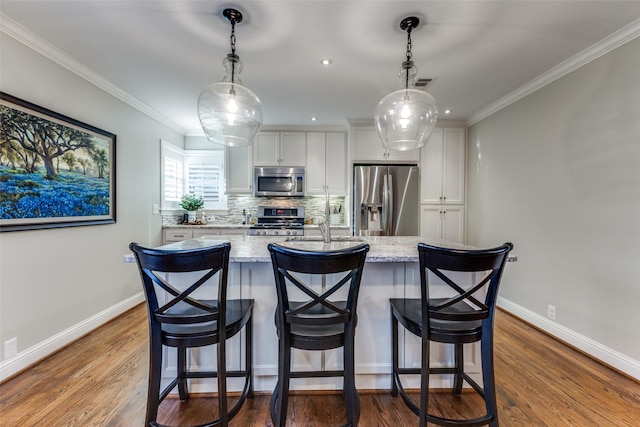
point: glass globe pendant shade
(230, 113)
(405, 118)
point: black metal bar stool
(321, 322)
(465, 317)
(185, 321)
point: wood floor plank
(101, 380)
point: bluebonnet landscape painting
(54, 170)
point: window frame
(184, 157)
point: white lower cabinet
(172, 235)
(442, 222)
(176, 235)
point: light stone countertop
(254, 248)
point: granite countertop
(254, 248)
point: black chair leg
(249, 356)
(394, 354)
(222, 384)
(280, 397)
(352, 398)
(183, 390)
(155, 373)
(459, 366)
(424, 381)
(488, 380)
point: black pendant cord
(232, 41)
(409, 55)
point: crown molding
(26, 37)
(604, 46)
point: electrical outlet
(551, 312)
(155, 209)
(10, 348)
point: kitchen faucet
(325, 227)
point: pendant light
(405, 118)
(230, 113)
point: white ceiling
(158, 55)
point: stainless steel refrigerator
(385, 200)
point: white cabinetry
(280, 149)
(443, 167)
(326, 163)
(176, 235)
(442, 222)
(367, 146)
(442, 185)
(172, 235)
(238, 170)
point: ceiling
(158, 55)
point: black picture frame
(55, 171)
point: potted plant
(191, 203)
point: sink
(320, 239)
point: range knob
(288, 232)
(276, 232)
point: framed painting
(55, 171)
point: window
(200, 172)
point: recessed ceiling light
(447, 111)
(313, 119)
(326, 61)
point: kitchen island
(391, 271)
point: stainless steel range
(278, 221)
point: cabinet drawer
(177, 235)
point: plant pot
(192, 216)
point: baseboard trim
(34, 354)
(616, 360)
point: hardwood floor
(100, 380)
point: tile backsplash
(313, 208)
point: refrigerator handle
(390, 207)
(385, 203)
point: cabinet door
(238, 170)
(431, 221)
(431, 169)
(453, 223)
(453, 166)
(336, 163)
(442, 222)
(293, 148)
(266, 150)
(316, 163)
(366, 144)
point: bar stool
(321, 322)
(465, 317)
(185, 321)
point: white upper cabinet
(326, 163)
(367, 146)
(280, 149)
(442, 171)
(238, 170)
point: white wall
(54, 283)
(558, 174)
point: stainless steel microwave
(278, 181)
